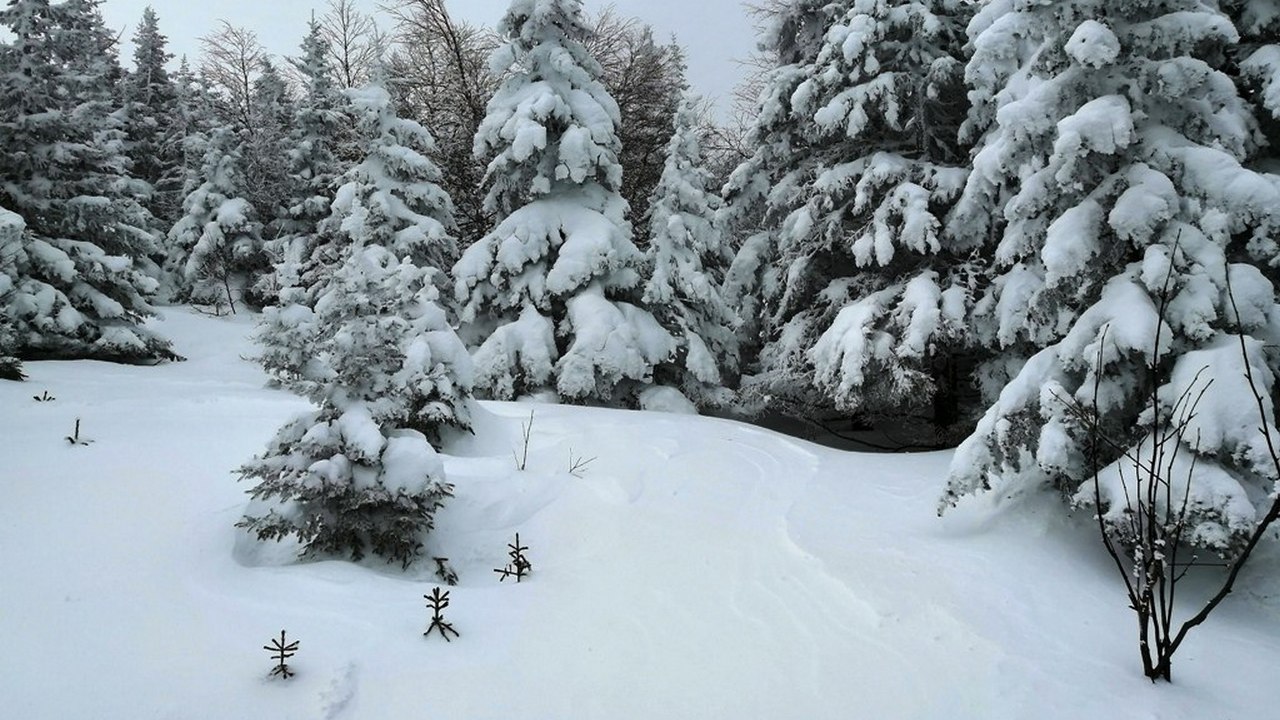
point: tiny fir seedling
(445, 572)
(519, 565)
(281, 650)
(43, 397)
(437, 601)
(74, 438)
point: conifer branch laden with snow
(445, 571)
(1143, 190)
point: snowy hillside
(698, 568)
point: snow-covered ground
(699, 568)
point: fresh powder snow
(698, 568)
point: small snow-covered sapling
(74, 438)
(438, 601)
(43, 397)
(519, 565)
(281, 651)
(445, 572)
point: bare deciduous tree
(440, 72)
(1147, 537)
(230, 61)
(646, 79)
(355, 42)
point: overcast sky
(715, 33)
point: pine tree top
(552, 122)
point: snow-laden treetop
(552, 121)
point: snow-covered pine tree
(1114, 148)
(94, 61)
(266, 166)
(376, 354)
(389, 374)
(861, 297)
(546, 289)
(391, 198)
(792, 37)
(11, 229)
(441, 78)
(150, 113)
(267, 140)
(688, 255)
(312, 167)
(216, 246)
(81, 288)
(194, 123)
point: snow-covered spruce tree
(266, 164)
(1115, 150)
(271, 107)
(688, 256)
(194, 123)
(11, 229)
(81, 289)
(390, 198)
(217, 244)
(546, 289)
(861, 298)
(388, 373)
(312, 167)
(793, 35)
(376, 354)
(150, 114)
